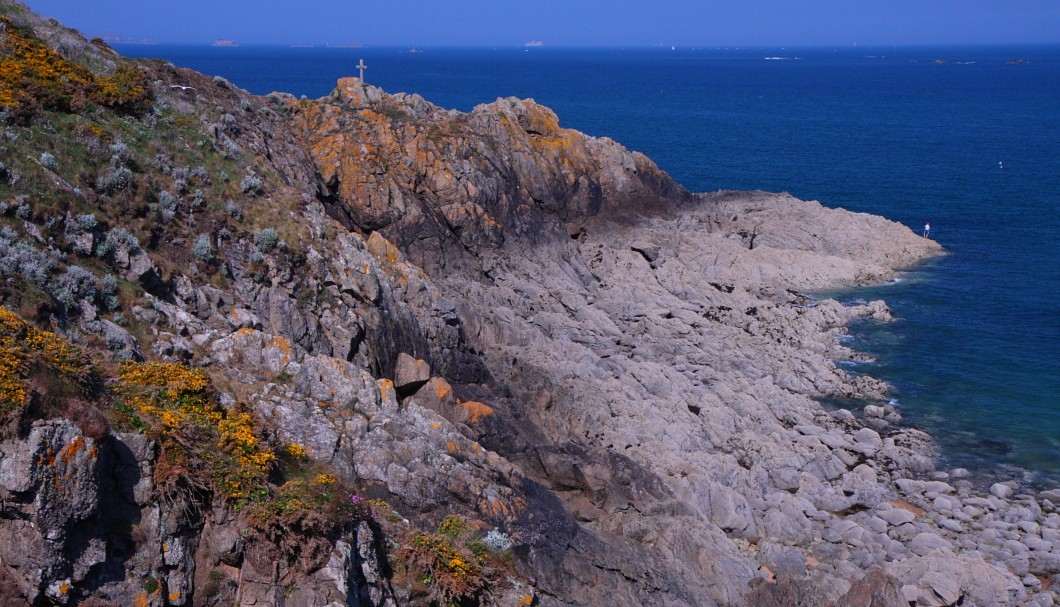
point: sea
(966, 138)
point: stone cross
(361, 66)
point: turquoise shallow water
(974, 354)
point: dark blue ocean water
(971, 143)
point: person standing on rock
(927, 229)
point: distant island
(224, 42)
(534, 43)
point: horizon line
(546, 47)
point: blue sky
(567, 22)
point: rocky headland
(364, 350)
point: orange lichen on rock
(382, 249)
(441, 390)
(476, 410)
(284, 346)
(386, 388)
(502, 508)
(70, 451)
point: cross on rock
(361, 66)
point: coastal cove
(957, 136)
(363, 349)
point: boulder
(410, 374)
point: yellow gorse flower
(176, 401)
(23, 346)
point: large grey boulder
(410, 373)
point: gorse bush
(35, 77)
(452, 526)
(451, 573)
(454, 564)
(25, 352)
(203, 444)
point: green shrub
(202, 249)
(266, 240)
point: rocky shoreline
(693, 353)
(474, 315)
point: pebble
(945, 504)
(1014, 547)
(926, 542)
(875, 524)
(1036, 544)
(896, 516)
(868, 438)
(909, 486)
(904, 533)
(1000, 490)
(844, 415)
(938, 487)
(1029, 527)
(910, 592)
(1043, 600)
(952, 525)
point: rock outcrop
(538, 360)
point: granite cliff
(364, 350)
